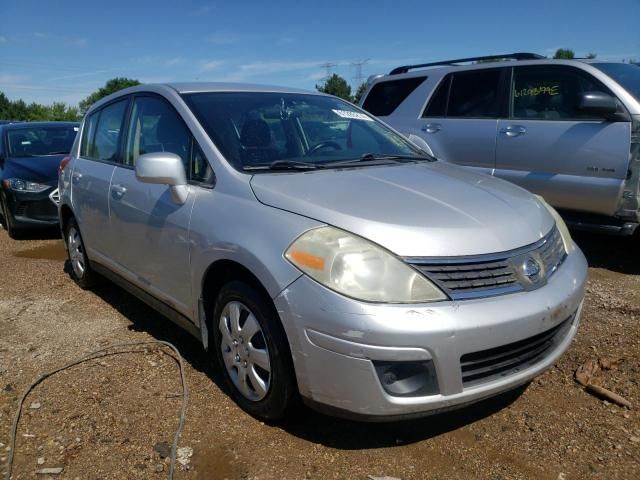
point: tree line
(19, 110)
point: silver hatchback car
(316, 252)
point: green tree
(110, 87)
(564, 53)
(359, 92)
(336, 85)
(592, 55)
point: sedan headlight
(24, 185)
(562, 226)
(358, 268)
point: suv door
(92, 171)
(149, 228)
(548, 146)
(460, 121)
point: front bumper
(32, 210)
(336, 340)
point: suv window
(385, 97)
(103, 144)
(471, 94)
(438, 102)
(475, 94)
(551, 93)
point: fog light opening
(408, 379)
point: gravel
(102, 419)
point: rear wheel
(80, 271)
(251, 348)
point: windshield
(626, 74)
(254, 129)
(39, 141)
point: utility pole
(327, 66)
(359, 77)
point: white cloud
(3, 39)
(208, 65)
(223, 38)
(172, 62)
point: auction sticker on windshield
(352, 115)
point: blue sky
(53, 50)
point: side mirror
(164, 168)
(601, 105)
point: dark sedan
(30, 154)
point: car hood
(425, 209)
(42, 169)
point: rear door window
(87, 148)
(475, 94)
(106, 142)
(551, 93)
(386, 96)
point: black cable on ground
(93, 356)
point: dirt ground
(102, 419)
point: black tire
(8, 221)
(282, 391)
(85, 278)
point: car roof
(198, 87)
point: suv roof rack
(512, 56)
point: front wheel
(251, 347)
(8, 220)
(80, 271)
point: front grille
(496, 274)
(495, 363)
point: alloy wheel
(244, 351)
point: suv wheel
(251, 348)
(80, 271)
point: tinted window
(108, 132)
(156, 127)
(40, 141)
(385, 97)
(256, 128)
(626, 74)
(475, 94)
(551, 93)
(438, 102)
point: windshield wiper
(283, 165)
(374, 157)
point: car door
(149, 228)
(91, 176)
(575, 160)
(460, 121)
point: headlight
(24, 185)
(359, 269)
(562, 227)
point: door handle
(431, 127)
(513, 130)
(118, 191)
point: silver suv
(568, 130)
(316, 252)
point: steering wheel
(321, 145)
